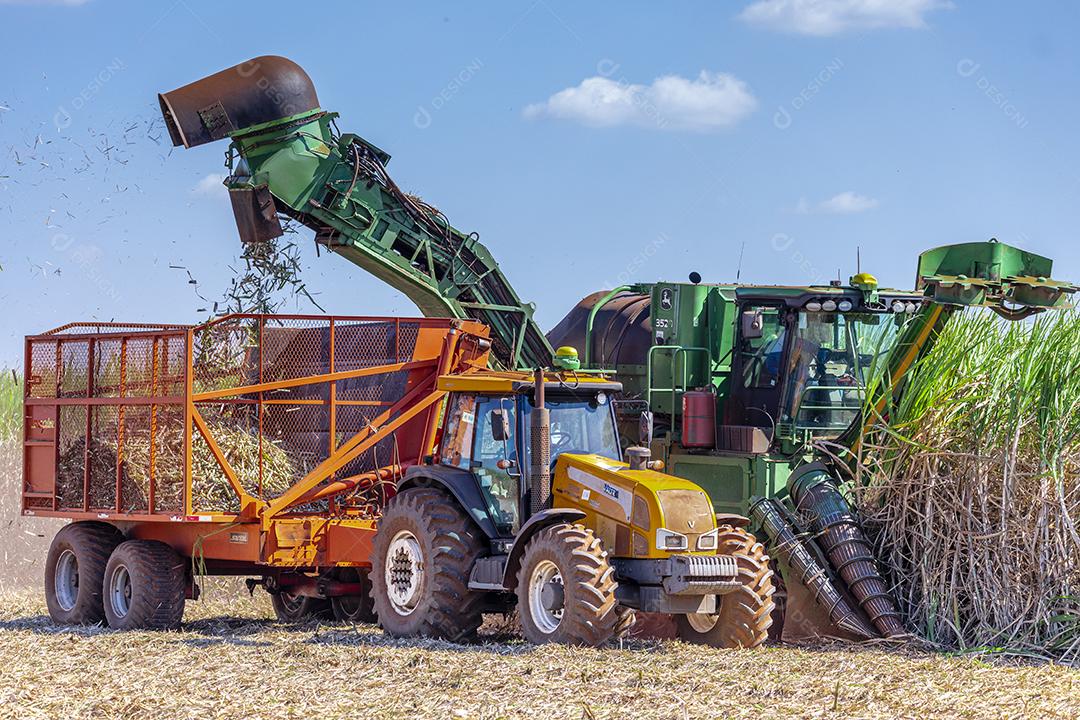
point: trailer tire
(354, 608)
(75, 571)
(746, 614)
(569, 561)
(425, 547)
(144, 586)
(298, 609)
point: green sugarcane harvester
(732, 386)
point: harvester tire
(354, 608)
(566, 588)
(75, 571)
(144, 586)
(298, 609)
(745, 615)
(422, 555)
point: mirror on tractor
(500, 425)
(753, 324)
(645, 429)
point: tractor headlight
(668, 540)
(709, 540)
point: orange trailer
(250, 445)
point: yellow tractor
(529, 502)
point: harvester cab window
(832, 358)
(500, 485)
(457, 443)
(762, 352)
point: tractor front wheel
(566, 588)
(745, 615)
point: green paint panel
(726, 480)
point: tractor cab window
(581, 425)
(457, 438)
(761, 346)
(496, 442)
(832, 358)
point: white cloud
(845, 203)
(708, 102)
(209, 185)
(829, 17)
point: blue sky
(588, 144)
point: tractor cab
(489, 430)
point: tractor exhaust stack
(541, 449)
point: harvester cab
(529, 502)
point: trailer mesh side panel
(107, 410)
(104, 407)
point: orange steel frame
(264, 532)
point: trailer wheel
(298, 609)
(745, 615)
(566, 588)
(144, 586)
(423, 552)
(75, 571)
(354, 608)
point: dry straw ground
(231, 661)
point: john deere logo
(666, 298)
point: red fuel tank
(699, 419)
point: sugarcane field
(539, 359)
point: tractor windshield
(580, 426)
(833, 356)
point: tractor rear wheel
(745, 615)
(423, 552)
(144, 586)
(354, 608)
(566, 588)
(75, 571)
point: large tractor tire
(75, 572)
(566, 589)
(144, 586)
(745, 615)
(423, 552)
(354, 608)
(298, 609)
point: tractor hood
(649, 501)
